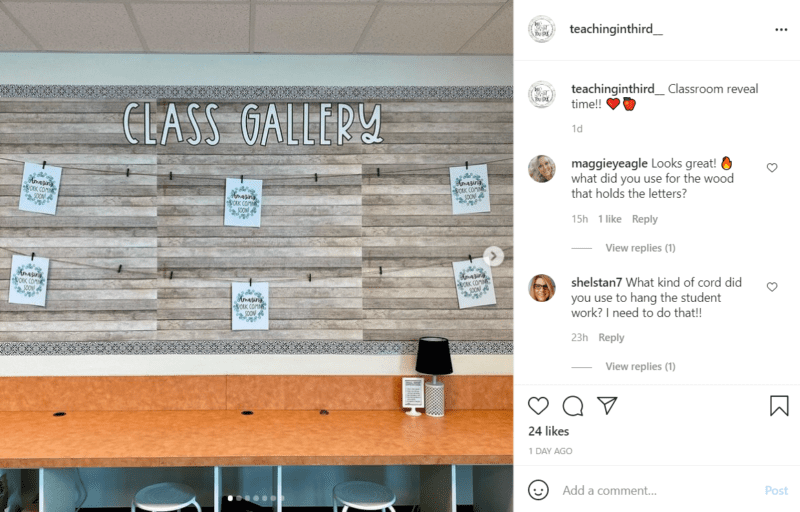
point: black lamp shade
(433, 356)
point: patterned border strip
(295, 93)
(311, 347)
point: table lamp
(433, 358)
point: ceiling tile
(424, 29)
(12, 39)
(497, 38)
(319, 28)
(195, 28)
(82, 27)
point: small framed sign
(413, 394)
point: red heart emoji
(613, 102)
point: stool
(363, 496)
(165, 497)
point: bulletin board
(357, 241)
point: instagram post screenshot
(398, 255)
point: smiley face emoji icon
(538, 490)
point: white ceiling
(403, 27)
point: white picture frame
(413, 394)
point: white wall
(242, 364)
(264, 70)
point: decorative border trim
(284, 347)
(295, 93)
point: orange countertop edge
(268, 438)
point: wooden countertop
(228, 438)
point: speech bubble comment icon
(573, 406)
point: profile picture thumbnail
(542, 94)
(541, 288)
(541, 29)
(542, 168)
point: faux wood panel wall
(333, 228)
(103, 220)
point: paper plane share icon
(608, 402)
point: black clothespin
(466, 164)
(170, 175)
(379, 172)
(309, 278)
(170, 273)
(44, 163)
(32, 255)
(128, 173)
(316, 178)
(381, 270)
(119, 269)
(470, 258)
(251, 281)
(241, 177)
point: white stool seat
(363, 496)
(164, 497)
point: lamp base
(434, 399)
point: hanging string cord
(380, 272)
(156, 275)
(276, 177)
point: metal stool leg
(335, 508)
(391, 508)
(133, 506)
(194, 502)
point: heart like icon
(538, 405)
(772, 286)
(772, 167)
(612, 102)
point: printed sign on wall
(469, 188)
(28, 280)
(243, 203)
(40, 186)
(250, 307)
(474, 283)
